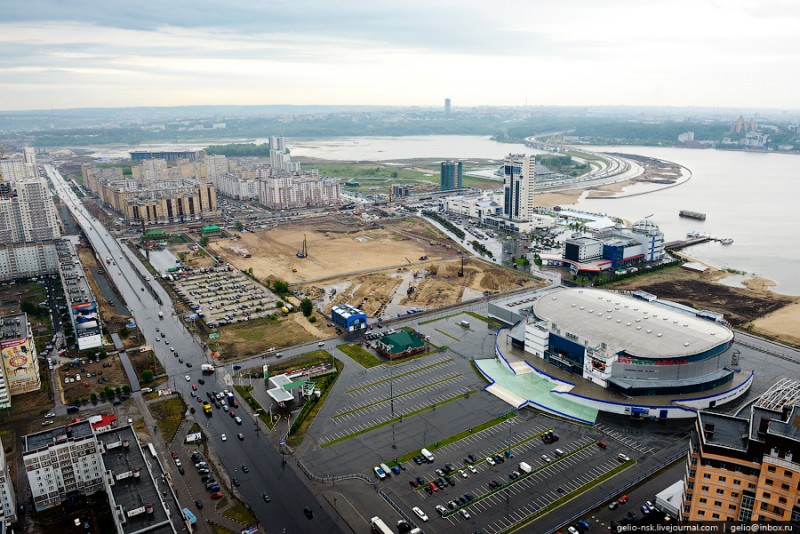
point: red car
(623, 499)
(174, 454)
(433, 486)
(216, 495)
(194, 387)
(235, 404)
(232, 413)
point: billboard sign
(20, 366)
(87, 325)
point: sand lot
(335, 246)
(394, 291)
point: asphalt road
(267, 472)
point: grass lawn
(360, 355)
(239, 513)
(217, 529)
(258, 335)
(491, 322)
(169, 415)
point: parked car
(417, 510)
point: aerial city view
(331, 267)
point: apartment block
(19, 372)
(744, 468)
(61, 462)
(286, 191)
(27, 212)
(519, 172)
(8, 501)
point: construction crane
(303, 253)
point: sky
(710, 53)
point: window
(768, 482)
(734, 494)
(771, 468)
(703, 488)
(723, 479)
(764, 506)
(720, 491)
(785, 487)
(707, 476)
(731, 507)
(767, 495)
(701, 512)
(703, 500)
(787, 474)
(715, 516)
(737, 482)
(718, 504)
(782, 500)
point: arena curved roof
(638, 327)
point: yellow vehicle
(207, 408)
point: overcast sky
(81, 53)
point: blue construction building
(349, 318)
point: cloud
(683, 52)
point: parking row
(625, 439)
(411, 391)
(405, 373)
(382, 418)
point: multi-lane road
(144, 298)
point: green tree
(204, 241)
(126, 389)
(306, 306)
(312, 319)
(124, 332)
(147, 375)
(280, 287)
(93, 398)
(239, 226)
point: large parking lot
(224, 295)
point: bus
(189, 516)
(379, 526)
(152, 450)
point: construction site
(387, 268)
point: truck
(207, 369)
(160, 315)
(427, 454)
(386, 469)
(206, 408)
(524, 467)
(108, 260)
(230, 398)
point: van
(559, 452)
(463, 324)
(386, 469)
(72, 409)
(622, 458)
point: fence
(329, 478)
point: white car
(223, 437)
(464, 513)
(546, 459)
(188, 378)
(420, 513)
(472, 469)
(463, 474)
(46, 423)
(490, 460)
(51, 414)
(441, 509)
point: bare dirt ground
(336, 245)
(782, 324)
(740, 306)
(437, 284)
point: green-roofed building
(400, 344)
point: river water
(747, 196)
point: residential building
(92, 176)
(757, 140)
(447, 108)
(61, 462)
(281, 190)
(15, 169)
(744, 469)
(237, 187)
(167, 155)
(478, 207)
(29, 155)
(27, 212)
(159, 201)
(279, 158)
(8, 501)
(519, 172)
(151, 170)
(80, 299)
(20, 368)
(23, 260)
(400, 190)
(686, 137)
(451, 175)
(216, 167)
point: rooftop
(134, 489)
(14, 326)
(790, 428)
(401, 341)
(627, 324)
(46, 438)
(724, 430)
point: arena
(575, 352)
